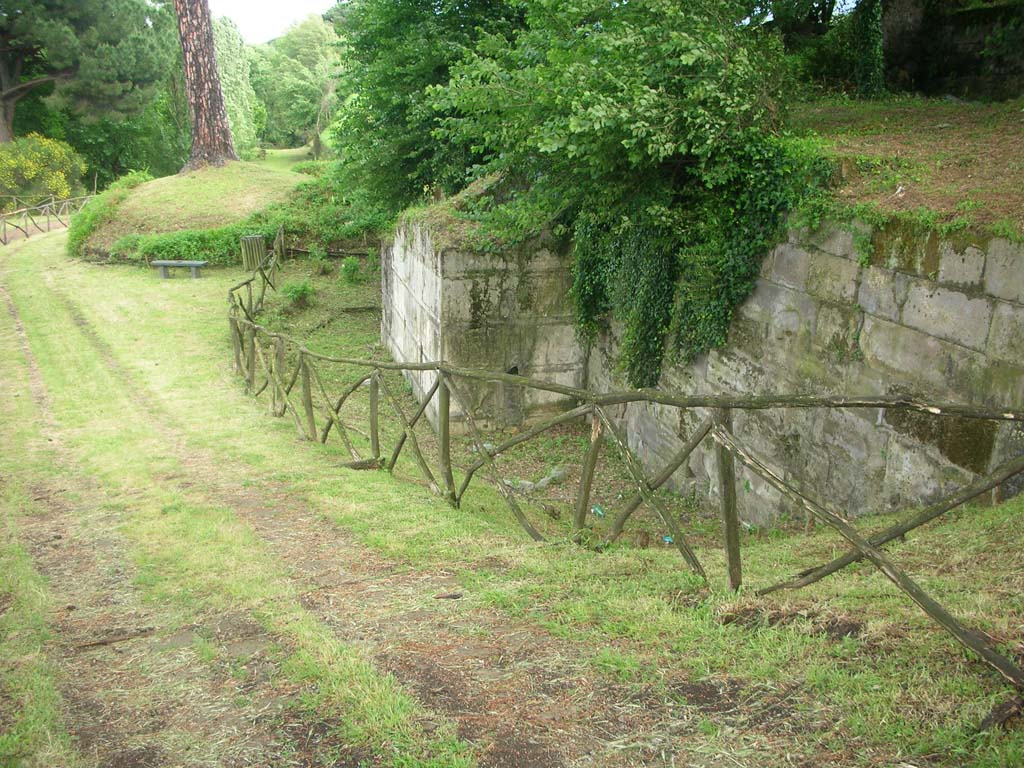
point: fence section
(292, 375)
(28, 221)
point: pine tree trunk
(211, 136)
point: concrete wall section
(504, 312)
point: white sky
(263, 20)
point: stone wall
(505, 312)
(940, 319)
(854, 312)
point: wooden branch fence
(28, 221)
(273, 362)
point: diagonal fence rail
(33, 220)
(273, 363)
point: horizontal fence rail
(25, 222)
(291, 373)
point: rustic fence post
(236, 346)
(444, 402)
(727, 494)
(250, 359)
(587, 478)
(375, 415)
(279, 368)
(307, 397)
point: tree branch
(15, 93)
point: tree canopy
(101, 55)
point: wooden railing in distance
(28, 221)
(275, 362)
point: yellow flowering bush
(34, 167)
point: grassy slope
(900, 689)
(284, 159)
(204, 199)
(964, 161)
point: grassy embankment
(864, 677)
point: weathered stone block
(791, 315)
(963, 267)
(882, 292)
(948, 314)
(832, 277)
(1004, 270)
(910, 356)
(1006, 339)
(965, 442)
(832, 239)
(836, 333)
(790, 266)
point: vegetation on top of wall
(665, 164)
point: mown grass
(204, 199)
(899, 689)
(199, 556)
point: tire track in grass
(141, 686)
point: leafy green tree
(649, 133)
(101, 55)
(394, 50)
(244, 111)
(295, 77)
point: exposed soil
(954, 157)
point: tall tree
(102, 55)
(211, 134)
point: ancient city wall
(837, 311)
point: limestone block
(832, 277)
(758, 306)
(1004, 270)
(948, 314)
(791, 316)
(733, 373)
(908, 355)
(556, 346)
(832, 239)
(757, 502)
(1006, 340)
(836, 333)
(960, 267)
(791, 264)
(914, 477)
(882, 292)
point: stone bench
(164, 266)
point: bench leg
(164, 273)
(195, 272)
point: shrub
(299, 295)
(310, 167)
(351, 270)
(319, 264)
(34, 168)
(218, 246)
(100, 210)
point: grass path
(183, 583)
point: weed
(299, 294)
(351, 270)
